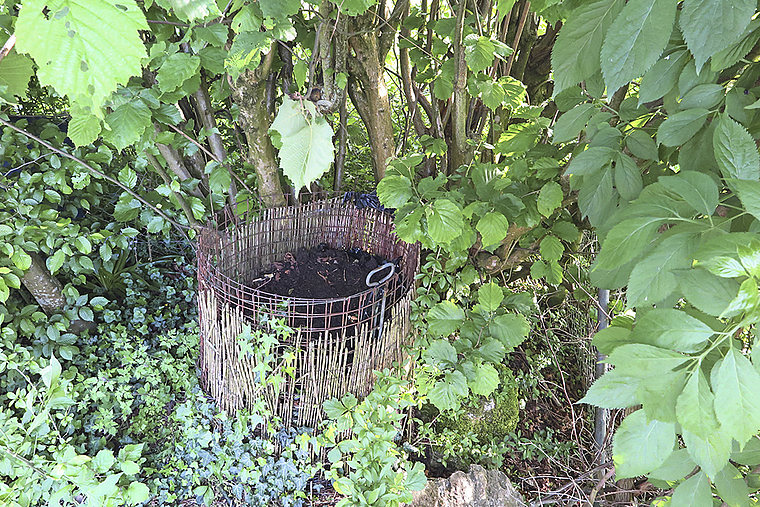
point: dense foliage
(499, 131)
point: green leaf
(415, 478)
(394, 191)
(570, 124)
(662, 77)
(645, 360)
(652, 280)
(693, 492)
(509, 329)
(191, 10)
(677, 466)
(21, 259)
(280, 9)
(75, 48)
(575, 56)
(446, 393)
(479, 52)
(749, 455)
(627, 177)
(445, 318)
(440, 353)
(597, 198)
(126, 209)
(551, 249)
(681, 127)
(445, 221)
(731, 487)
(486, 379)
(83, 129)
(694, 407)
(732, 54)
(627, 240)
(492, 350)
(709, 26)
(591, 161)
(749, 194)
(55, 262)
(736, 384)
(641, 145)
(672, 329)
(613, 390)
(15, 71)
(128, 177)
(659, 393)
(307, 148)
(83, 244)
(219, 180)
(712, 453)
(127, 123)
(706, 96)
(355, 7)
(137, 493)
(103, 461)
(609, 338)
(735, 150)
(565, 231)
(707, 292)
(177, 69)
(726, 267)
(490, 297)
(492, 228)
(549, 198)
(444, 83)
(518, 138)
(696, 188)
(640, 447)
(129, 467)
(245, 51)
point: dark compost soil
(321, 272)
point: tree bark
(250, 94)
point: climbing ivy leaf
(574, 57)
(640, 446)
(307, 148)
(73, 44)
(712, 25)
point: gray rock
(478, 488)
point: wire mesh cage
(338, 342)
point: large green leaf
(710, 453)
(738, 50)
(627, 177)
(597, 197)
(307, 148)
(677, 466)
(590, 161)
(696, 188)
(486, 379)
(645, 360)
(394, 191)
(509, 329)
(641, 145)
(76, 47)
(613, 390)
(127, 123)
(640, 446)
(490, 297)
(191, 10)
(693, 492)
(245, 51)
(492, 228)
(551, 249)
(662, 77)
(440, 353)
(15, 71)
(570, 124)
(636, 40)
(732, 487)
(83, 128)
(355, 7)
(280, 9)
(749, 194)
(575, 56)
(627, 240)
(681, 127)
(737, 405)
(707, 292)
(445, 221)
(672, 329)
(549, 198)
(652, 280)
(695, 406)
(177, 69)
(735, 151)
(712, 25)
(445, 318)
(447, 392)
(479, 52)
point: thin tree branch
(95, 172)
(180, 200)
(520, 27)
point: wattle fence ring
(339, 342)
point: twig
(95, 172)
(7, 46)
(518, 35)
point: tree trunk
(48, 292)
(250, 94)
(370, 95)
